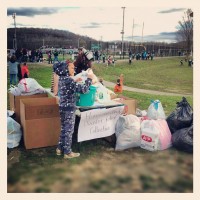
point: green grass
(42, 165)
(168, 102)
(163, 74)
(43, 72)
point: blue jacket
(68, 87)
(13, 69)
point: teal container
(86, 99)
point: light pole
(114, 49)
(78, 42)
(15, 36)
(122, 32)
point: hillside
(33, 38)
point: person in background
(40, 56)
(82, 62)
(25, 71)
(68, 88)
(152, 55)
(18, 54)
(104, 57)
(119, 85)
(49, 57)
(130, 56)
(24, 55)
(13, 70)
(19, 73)
(109, 60)
(55, 56)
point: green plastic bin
(86, 99)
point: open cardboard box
(40, 122)
(15, 102)
(130, 104)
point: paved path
(110, 84)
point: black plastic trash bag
(183, 139)
(181, 117)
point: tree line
(34, 38)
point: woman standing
(13, 70)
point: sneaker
(71, 155)
(58, 152)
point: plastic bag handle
(155, 104)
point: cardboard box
(50, 94)
(15, 102)
(40, 122)
(131, 104)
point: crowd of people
(34, 55)
(144, 55)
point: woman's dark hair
(13, 59)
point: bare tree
(185, 31)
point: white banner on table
(98, 123)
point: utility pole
(142, 33)
(114, 49)
(100, 47)
(132, 32)
(15, 36)
(122, 32)
(78, 42)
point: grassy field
(163, 74)
(100, 168)
(180, 79)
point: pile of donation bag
(154, 132)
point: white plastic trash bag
(155, 110)
(27, 86)
(103, 94)
(84, 74)
(30, 85)
(14, 133)
(155, 135)
(127, 132)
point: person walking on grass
(68, 88)
(13, 70)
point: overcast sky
(103, 23)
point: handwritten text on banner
(98, 123)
